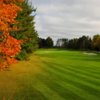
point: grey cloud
(67, 18)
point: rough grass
(53, 75)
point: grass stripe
(47, 92)
(78, 91)
(77, 70)
(91, 88)
(62, 91)
(67, 89)
(92, 76)
(84, 65)
(70, 72)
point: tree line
(81, 43)
(45, 43)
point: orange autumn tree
(9, 46)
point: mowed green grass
(53, 75)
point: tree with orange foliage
(9, 46)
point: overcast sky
(67, 18)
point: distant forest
(81, 43)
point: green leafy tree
(96, 42)
(45, 43)
(42, 43)
(26, 30)
(49, 42)
(62, 43)
(84, 43)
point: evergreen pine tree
(26, 30)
